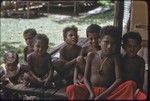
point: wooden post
(118, 20)
(48, 4)
(28, 9)
(16, 5)
(75, 10)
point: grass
(52, 26)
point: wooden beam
(118, 20)
(28, 10)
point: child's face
(132, 47)
(11, 60)
(29, 39)
(40, 47)
(108, 45)
(93, 39)
(72, 37)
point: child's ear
(139, 47)
(123, 46)
(64, 39)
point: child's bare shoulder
(92, 55)
(140, 59)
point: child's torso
(102, 74)
(41, 65)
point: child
(10, 72)
(29, 35)
(102, 72)
(39, 61)
(92, 33)
(68, 54)
(133, 65)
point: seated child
(68, 53)
(92, 33)
(133, 65)
(102, 71)
(39, 61)
(10, 72)
(28, 34)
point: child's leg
(58, 65)
(124, 92)
(32, 81)
(75, 92)
(80, 92)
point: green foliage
(105, 2)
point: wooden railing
(20, 6)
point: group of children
(92, 71)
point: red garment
(124, 92)
(140, 96)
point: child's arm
(62, 53)
(70, 64)
(87, 74)
(6, 80)
(75, 75)
(142, 70)
(106, 93)
(9, 82)
(83, 51)
(29, 61)
(50, 75)
(35, 77)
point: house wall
(139, 18)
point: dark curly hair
(132, 35)
(111, 31)
(42, 37)
(93, 28)
(30, 31)
(66, 29)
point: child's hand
(75, 82)
(78, 59)
(101, 97)
(46, 81)
(92, 96)
(39, 80)
(10, 83)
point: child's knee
(26, 76)
(70, 88)
(131, 84)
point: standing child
(68, 54)
(29, 35)
(39, 61)
(133, 65)
(92, 33)
(10, 72)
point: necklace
(102, 61)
